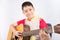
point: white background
(10, 12)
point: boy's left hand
(43, 35)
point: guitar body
(22, 28)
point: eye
(30, 9)
(26, 11)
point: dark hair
(27, 3)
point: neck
(30, 18)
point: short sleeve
(43, 24)
(21, 22)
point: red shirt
(42, 23)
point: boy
(31, 20)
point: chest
(34, 24)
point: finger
(17, 35)
(20, 34)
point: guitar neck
(36, 32)
(29, 33)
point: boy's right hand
(17, 33)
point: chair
(49, 25)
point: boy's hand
(17, 33)
(43, 35)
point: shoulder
(18, 22)
(41, 19)
(21, 21)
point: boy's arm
(43, 25)
(11, 30)
(13, 26)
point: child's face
(28, 11)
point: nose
(28, 11)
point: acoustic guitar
(26, 33)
